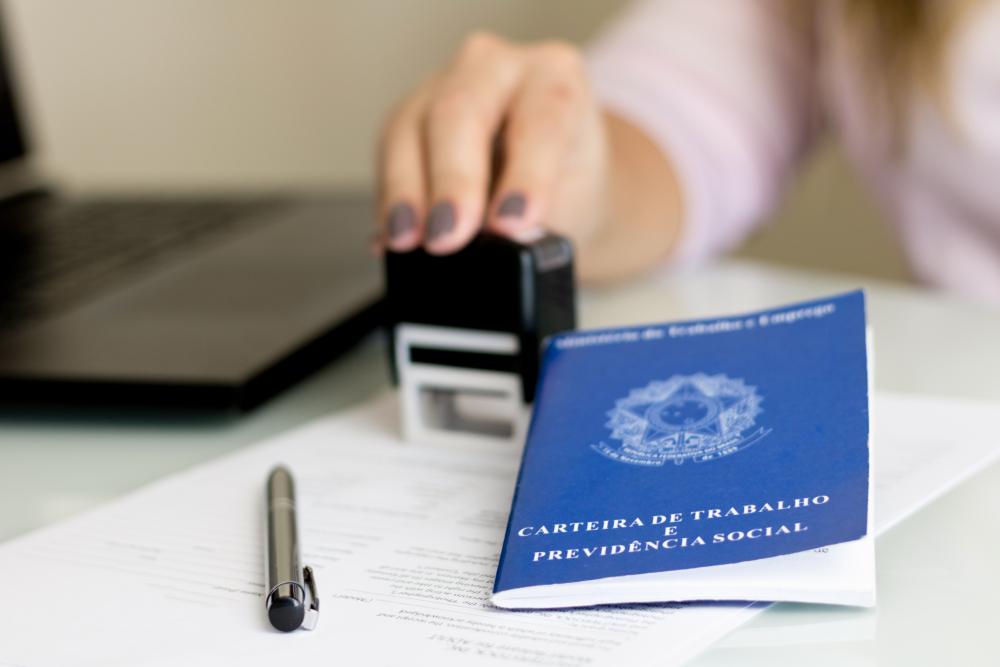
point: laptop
(201, 303)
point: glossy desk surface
(938, 572)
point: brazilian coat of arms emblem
(687, 417)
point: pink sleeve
(725, 90)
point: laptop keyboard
(54, 253)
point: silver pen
(291, 590)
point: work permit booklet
(723, 459)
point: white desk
(938, 575)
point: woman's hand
(511, 135)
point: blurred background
(235, 95)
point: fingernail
(441, 221)
(401, 220)
(512, 206)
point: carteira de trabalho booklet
(723, 459)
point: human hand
(508, 135)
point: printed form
(404, 540)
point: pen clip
(312, 613)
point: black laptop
(179, 303)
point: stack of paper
(404, 540)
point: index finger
(461, 120)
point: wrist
(641, 210)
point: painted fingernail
(401, 220)
(512, 206)
(441, 221)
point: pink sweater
(733, 96)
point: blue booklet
(701, 460)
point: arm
(632, 162)
(725, 90)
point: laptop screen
(12, 144)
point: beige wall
(828, 221)
(241, 93)
(235, 94)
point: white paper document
(404, 541)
